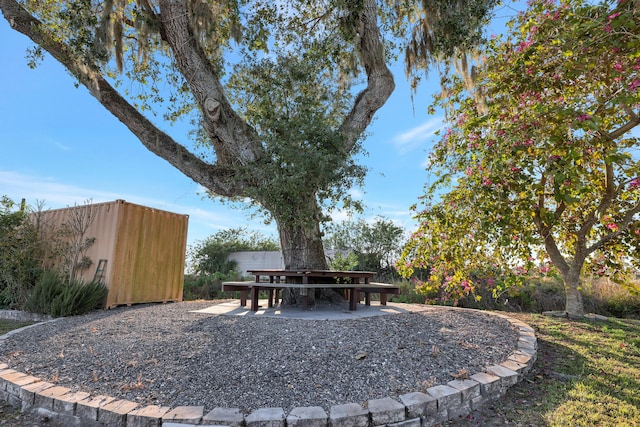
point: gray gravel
(166, 355)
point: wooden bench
(354, 290)
(378, 288)
(242, 287)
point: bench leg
(243, 298)
(254, 298)
(353, 299)
(270, 298)
(367, 298)
(383, 298)
(304, 296)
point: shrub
(407, 293)
(610, 299)
(53, 296)
(206, 286)
(21, 251)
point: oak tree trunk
(302, 250)
(574, 306)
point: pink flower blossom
(634, 84)
(487, 182)
(520, 270)
(525, 143)
(614, 16)
(524, 45)
(583, 117)
(462, 119)
(612, 226)
(618, 66)
(635, 183)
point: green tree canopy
(545, 172)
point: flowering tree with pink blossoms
(542, 170)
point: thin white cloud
(414, 138)
(55, 195)
(356, 194)
(61, 146)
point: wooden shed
(137, 251)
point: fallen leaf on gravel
(361, 355)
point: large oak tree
(280, 92)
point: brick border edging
(440, 403)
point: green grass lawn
(602, 362)
(587, 374)
(9, 325)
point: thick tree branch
(610, 188)
(545, 230)
(607, 199)
(634, 120)
(234, 141)
(212, 177)
(622, 227)
(380, 82)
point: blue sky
(60, 146)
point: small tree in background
(542, 170)
(376, 244)
(72, 242)
(208, 260)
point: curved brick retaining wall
(438, 404)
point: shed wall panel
(144, 248)
(149, 256)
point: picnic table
(274, 280)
